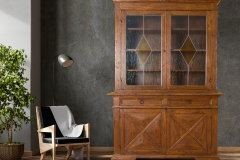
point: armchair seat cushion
(66, 140)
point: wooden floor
(224, 154)
(94, 155)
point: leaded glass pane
(188, 50)
(143, 50)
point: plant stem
(10, 135)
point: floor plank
(106, 155)
(61, 155)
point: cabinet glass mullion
(188, 50)
(143, 50)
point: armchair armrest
(51, 129)
(86, 130)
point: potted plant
(14, 99)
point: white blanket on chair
(67, 126)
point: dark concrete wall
(229, 72)
(84, 29)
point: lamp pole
(53, 98)
(65, 61)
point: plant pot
(11, 152)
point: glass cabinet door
(188, 50)
(143, 50)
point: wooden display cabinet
(165, 101)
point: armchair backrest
(47, 119)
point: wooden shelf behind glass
(187, 71)
(153, 50)
(198, 50)
(138, 70)
(186, 29)
(145, 29)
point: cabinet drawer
(206, 101)
(141, 101)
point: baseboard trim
(110, 149)
(31, 153)
(229, 149)
(100, 149)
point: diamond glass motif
(143, 50)
(188, 50)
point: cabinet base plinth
(163, 157)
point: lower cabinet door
(143, 131)
(188, 131)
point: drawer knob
(189, 101)
(141, 101)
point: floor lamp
(65, 61)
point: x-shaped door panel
(144, 131)
(189, 132)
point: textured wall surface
(228, 72)
(84, 29)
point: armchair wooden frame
(44, 147)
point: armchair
(50, 136)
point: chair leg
(69, 152)
(54, 153)
(42, 155)
(88, 152)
